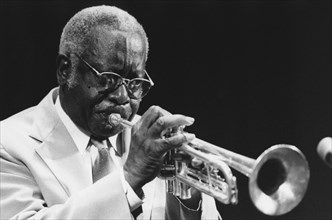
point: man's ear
(63, 68)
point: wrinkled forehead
(126, 51)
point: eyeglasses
(110, 81)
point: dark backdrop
(252, 73)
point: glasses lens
(139, 87)
(109, 81)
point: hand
(148, 147)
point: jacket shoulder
(16, 128)
(18, 121)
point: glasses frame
(124, 81)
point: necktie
(103, 163)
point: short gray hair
(80, 25)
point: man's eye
(113, 81)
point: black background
(252, 73)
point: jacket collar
(45, 117)
(57, 148)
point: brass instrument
(278, 178)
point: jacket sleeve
(22, 198)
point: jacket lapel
(58, 150)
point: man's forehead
(135, 42)
(124, 51)
(104, 38)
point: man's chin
(113, 130)
(106, 131)
(99, 126)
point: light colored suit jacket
(43, 175)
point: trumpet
(278, 178)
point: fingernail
(189, 136)
(190, 120)
(160, 121)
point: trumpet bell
(279, 179)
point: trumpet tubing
(278, 178)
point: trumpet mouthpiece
(115, 120)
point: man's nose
(120, 96)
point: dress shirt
(89, 154)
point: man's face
(109, 51)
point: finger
(181, 156)
(151, 115)
(176, 141)
(169, 121)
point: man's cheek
(134, 106)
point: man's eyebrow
(136, 74)
(98, 66)
(101, 68)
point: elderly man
(62, 159)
